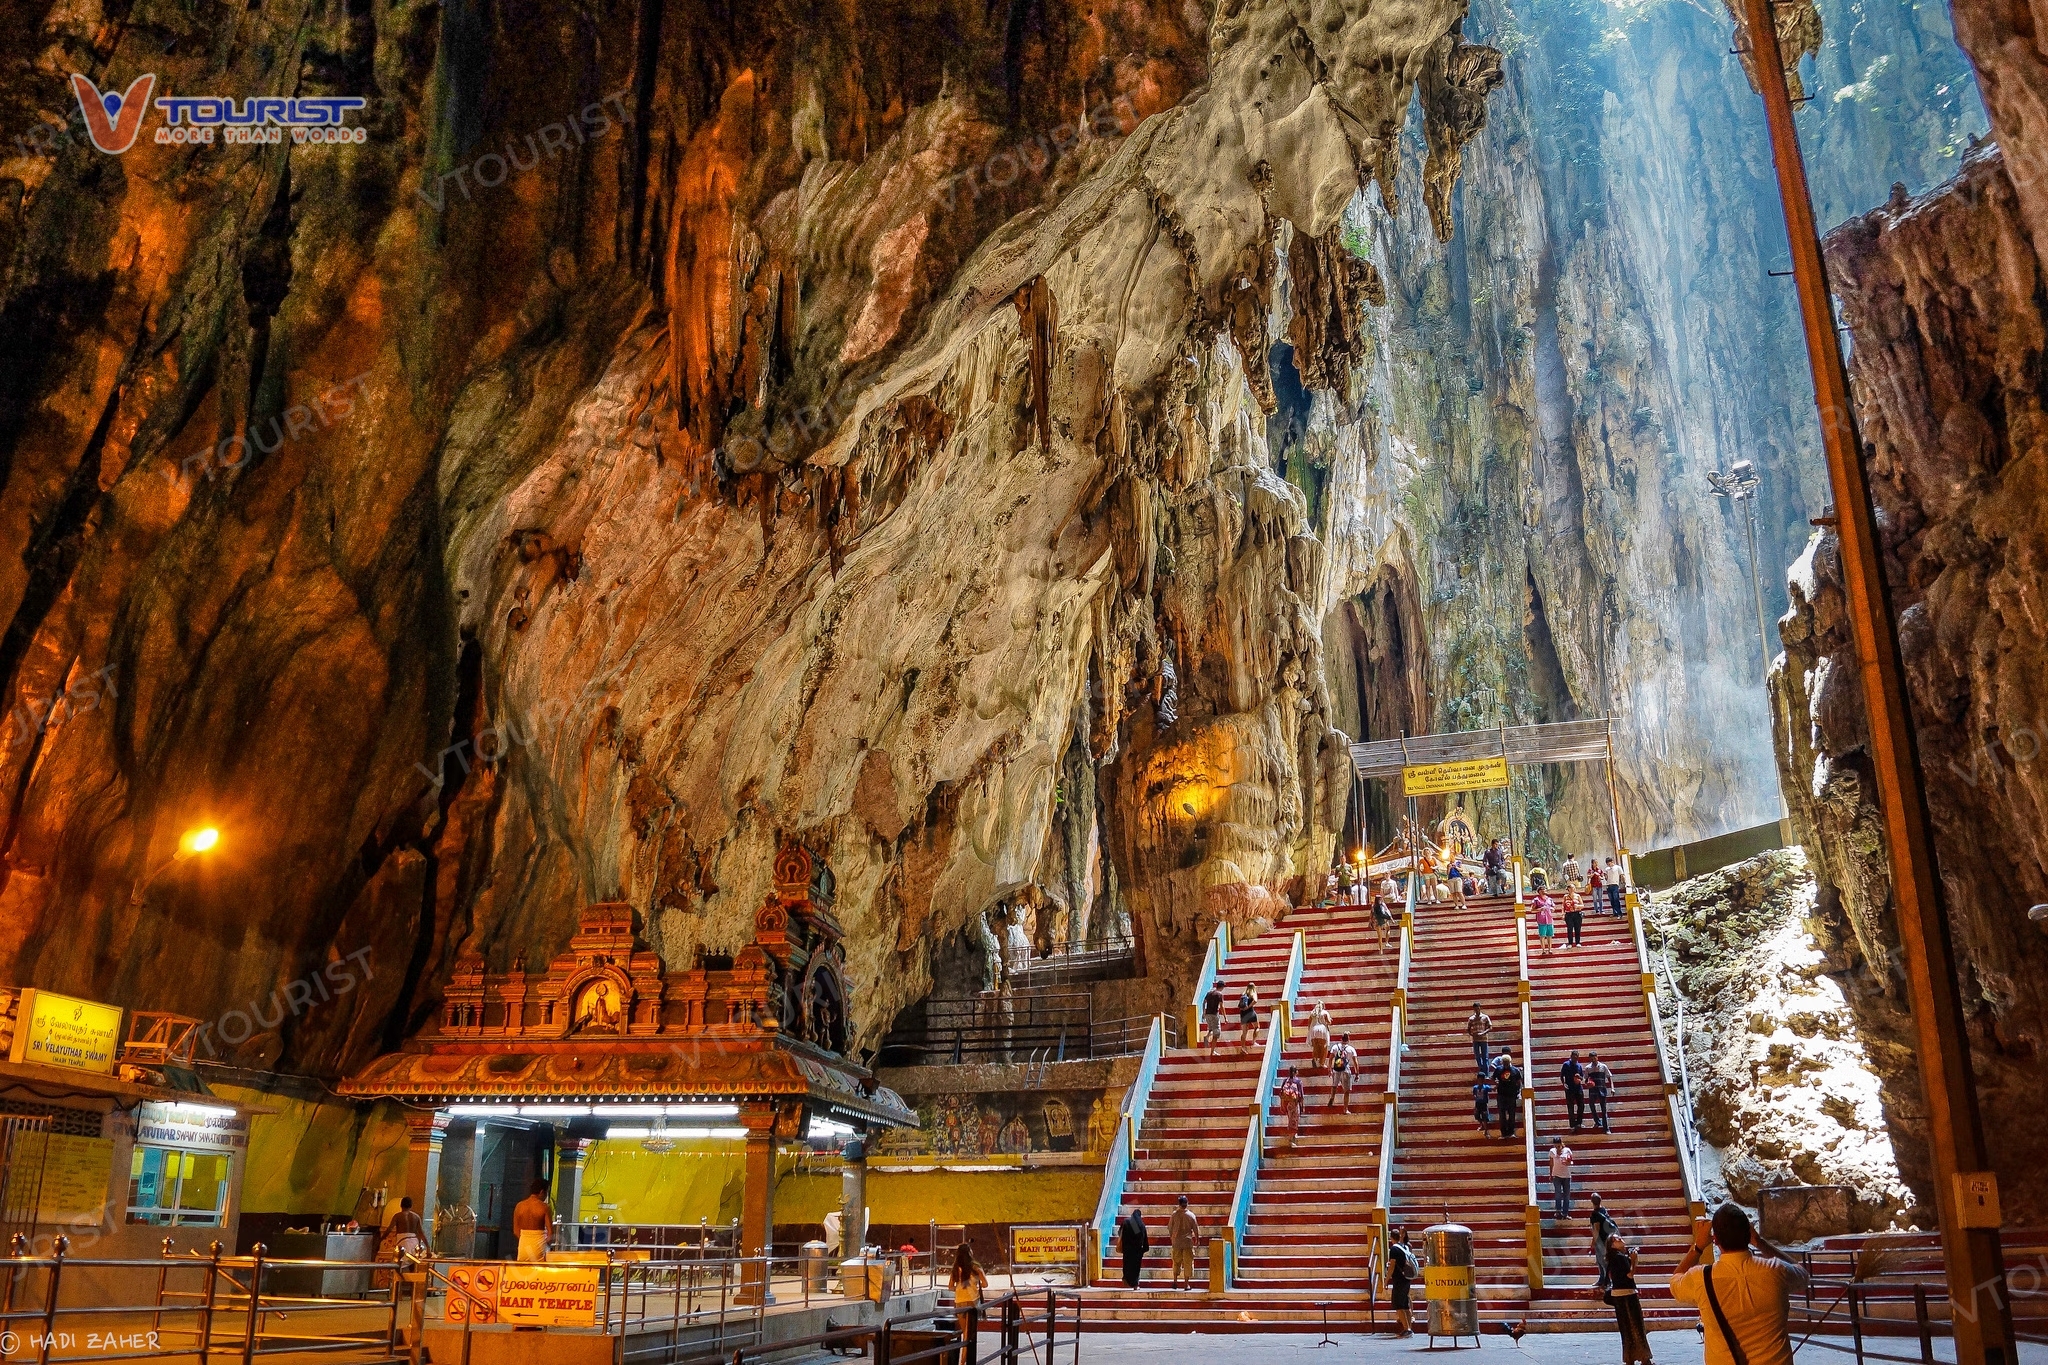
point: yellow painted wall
(699, 1179)
(313, 1157)
(1063, 1194)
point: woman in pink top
(1546, 922)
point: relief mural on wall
(1004, 1124)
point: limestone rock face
(1942, 295)
(677, 429)
(1783, 1090)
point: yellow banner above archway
(1464, 775)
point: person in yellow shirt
(1745, 1296)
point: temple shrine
(758, 1040)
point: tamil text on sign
(1045, 1246)
(56, 1030)
(1465, 775)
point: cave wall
(675, 430)
(1943, 298)
(1548, 390)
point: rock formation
(1782, 1089)
(675, 430)
(1942, 296)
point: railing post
(1856, 1323)
(882, 1351)
(416, 1347)
(206, 1305)
(970, 1335)
(1920, 1319)
(256, 1293)
(163, 1275)
(50, 1299)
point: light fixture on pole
(1739, 485)
(205, 839)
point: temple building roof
(605, 1020)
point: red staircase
(1192, 1136)
(1311, 1214)
(1591, 998)
(1444, 1167)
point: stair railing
(1677, 1102)
(1116, 1169)
(1297, 961)
(1255, 1128)
(1213, 958)
(1397, 1035)
(1532, 1215)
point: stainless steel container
(1447, 1281)
(816, 1270)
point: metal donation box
(1447, 1282)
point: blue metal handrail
(1297, 960)
(1397, 1033)
(1117, 1169)
(1213, 958)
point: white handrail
(1683, 1134)
(1117, 1168)
(1528, 1095)
(1397, 1033)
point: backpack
(1402, 1261)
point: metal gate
(24, 1148)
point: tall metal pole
(1974, 1262)
(1756, 584)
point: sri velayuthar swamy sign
(56, 1030)
(1465, 775)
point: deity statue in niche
(1456, 833)
(957, 1127)
(599, 1008)
(1017, 938)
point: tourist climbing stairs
(1311, 1225)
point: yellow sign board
(548, 1295)
(1465, 775)
(1045, 1246)
(56, 1030)
(75, 1174)
(1447, 1282)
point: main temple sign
(548, 1295)
(1465, 775)
(56, 1030)
(1059, 1245)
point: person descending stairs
(1444, 1167)
(1311, 1210)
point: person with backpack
(1292, 1100)
(1604, 1228)
(1343, 1066)
(1572, 1075)
(1402, 1271)
(1744, 1297)
(1212, 1015)
(1248, 1016)
(1496, 865)
(1599, 1089)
